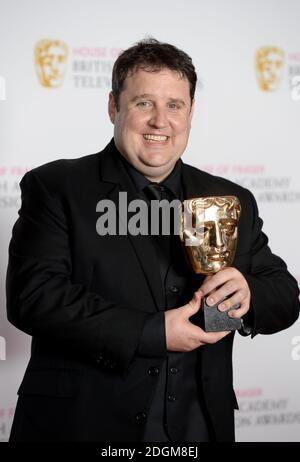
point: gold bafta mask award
(208, 232)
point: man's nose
(159, 118)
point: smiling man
(118, 353)
(152, 118)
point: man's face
(152, 126)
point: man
(115, 354)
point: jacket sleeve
(42, 299)
(153, 339)
(274, 291)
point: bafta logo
(209, 232)
(269, 67)
(50, 61)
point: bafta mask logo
(50, 61)
(269, 67)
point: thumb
(194, 305)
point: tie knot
(157, 191)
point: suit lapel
(194, 182)
(114, 174)
(198, 183)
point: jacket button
(140, 418)
(174, 289)
(173, 370)
(153, 371)
(171, 398)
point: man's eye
(174, 106)
(144, 104)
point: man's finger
(240, 312)
(213, 337)
(218, 279)
(194, 305)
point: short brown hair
(151, 55)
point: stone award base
(217, 321)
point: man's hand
(181, 334)
(229, 283)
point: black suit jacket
(85, 299)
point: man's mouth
(156, 138)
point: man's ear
(112, 107)
(192, 110)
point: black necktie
(155, 191)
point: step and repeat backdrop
(56, 59)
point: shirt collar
(172, 182)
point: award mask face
(50, 60)
(269, 67)
(209, 232)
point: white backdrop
(239, 131)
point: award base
(217, 321)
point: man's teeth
(156, 137)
